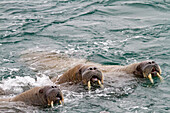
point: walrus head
(52, 95)
(91, 75)
(148, 69)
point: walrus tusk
(100, 83)
(52, 104)
(160, 77)
(144, 75)
(89, 85)
(150, 78)
(60, 102)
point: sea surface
(109, 32)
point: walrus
(39, 96)
(144, 69)
(89, 75)
(45, 61)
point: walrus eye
(41, 91)
(52, 86)
(138, 68)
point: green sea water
(110, 32)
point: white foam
(3, 69)
(42, 81)
(17, 84)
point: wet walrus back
(32, 97)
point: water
(116, 32)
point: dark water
(104, 31)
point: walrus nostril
(52, 86)
(153, 62)
(149, 63)
(90, 68)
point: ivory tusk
(144, 75)
(160, 77)
(49, 103)
(60, 102)
(100, 83)
(89, 85)
(52, 104)
(150, 78)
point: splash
(20, 84)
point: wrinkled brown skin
(80, 73)
(38, 96)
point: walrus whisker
(150, 78)
(100, 83)
(160, 77)
(89, 85)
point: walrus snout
(54, 96)
(150, 69)
(92, 75)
